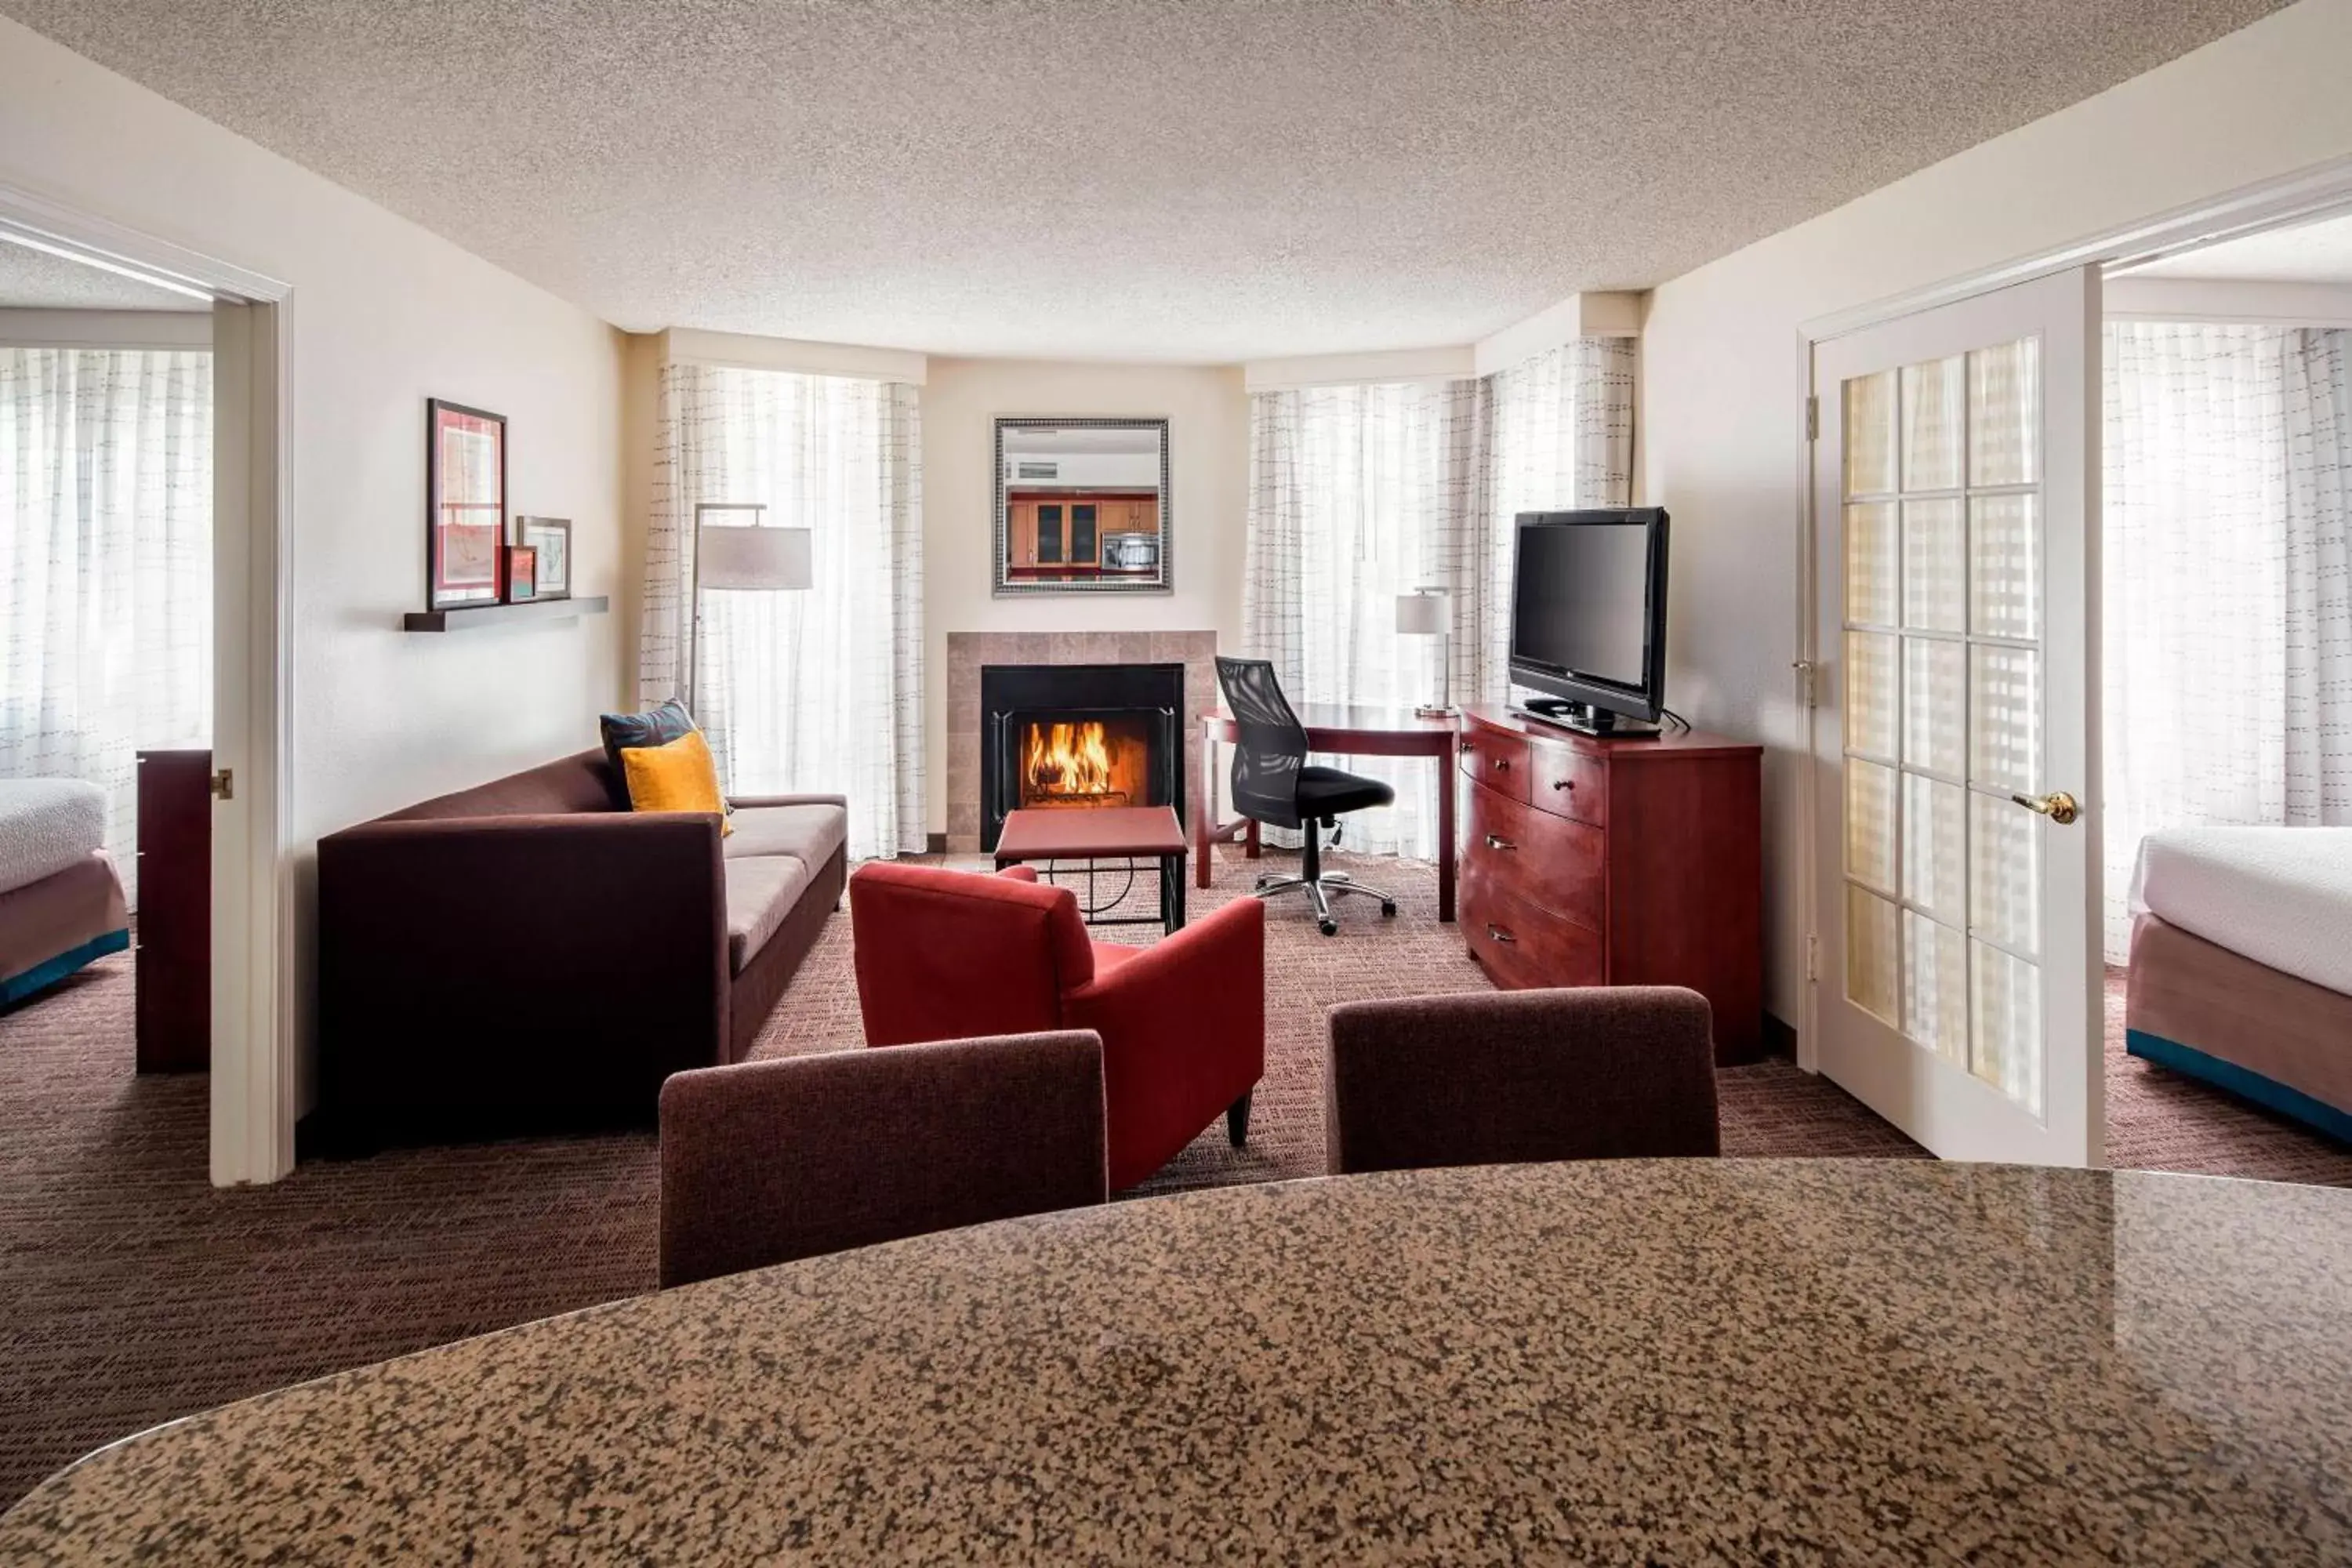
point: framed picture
(551, 538)
(465, 505)
(522, 574)
(1083, 505)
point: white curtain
(105, 493)
(816, 690)
(1358, 494)
(2228, 585)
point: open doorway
(2227, 701)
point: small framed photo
(465, 504)
(551, 538)
(522, 574)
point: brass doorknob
(2060, 808)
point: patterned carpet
(132, 1293)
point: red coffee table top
(1077, 833)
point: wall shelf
(466, 618)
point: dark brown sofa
(530, 954)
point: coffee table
(1129, 833)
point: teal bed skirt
(14, 989)
(2268, 1093)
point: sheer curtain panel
(106, 605)
(2227, 586)
(816, 690)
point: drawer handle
(1498, 934)
(1563, 783)
(1502, 764)
(1494, 843)
(1468, 745)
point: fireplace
(1077, 737)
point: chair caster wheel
(1327, 926)
(1388, 906)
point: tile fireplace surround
(969, 651)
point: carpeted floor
(132, 1293)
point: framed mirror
(1083, 507)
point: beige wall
(1208, 415)
(1720, 397)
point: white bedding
(2279, 895)
(45, 826)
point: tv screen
(1581, 603)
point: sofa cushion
(814, 833)
(679, 777)
(760, 891)
(656, 726)
(582, 782)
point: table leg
(1249, 845)
(1171, 893)
(1205, 811)
(1445, 788)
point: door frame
(254, 1017)
(2299, 196)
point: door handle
(2059, 807)
(1494, 843)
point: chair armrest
(524, 961)
(753, 801)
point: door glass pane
(1049, 535)
(2005, 566)
(1873, 978)
(1870, 824)
(1936, 987)
(1935, 847)
(1083, 549)
(2005, 718)
(1935, 690)
(1934, 566)
(1870, 435)
(2005, 414)
(1873, 587)
(1872, 693)
(2005, 1012)
(1933, 400)
(2004, 874)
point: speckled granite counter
(1712, 1361)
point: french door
(1957, 876)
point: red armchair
(945, 956)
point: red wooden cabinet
(1605, 862)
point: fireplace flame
(1067, 761)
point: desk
(1338, 732)
(1672, 1361)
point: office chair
(1273, 784)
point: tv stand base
(1584, 719)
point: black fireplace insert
(1075, 737)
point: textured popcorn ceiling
(31, 280)
(2313, 253)
(1203, 180)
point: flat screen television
(1588, 617)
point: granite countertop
(1786, 1361)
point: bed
(61, 903)
(2242, 965)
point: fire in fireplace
(1077, 736)
(1089, 763)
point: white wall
(1720, 398)
(171, 330)
(1208, 416)
(383, 316)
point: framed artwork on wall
(522, 574)
(1083, 505)
(465, 505)
(551, 537)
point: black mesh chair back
(1272, 744)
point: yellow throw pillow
(679, 777)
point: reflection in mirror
(1082, 506)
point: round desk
(1703, 1361)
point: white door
(1955, 488)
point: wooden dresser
(1603, 862)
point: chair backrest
(765, 1162)
(1272, 744)
(1497, 1078)
(944, 955)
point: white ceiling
(2314, 253)
(1196, 180)
(35, 280)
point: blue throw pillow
(656, 726)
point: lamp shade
(757, 558)
(1424, 612)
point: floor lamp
(742, 557)
(1428, 612)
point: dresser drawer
(1566, 782)
(1551, 862)
(1495, 760)
(1523, 947)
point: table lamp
(1427, 612)
(744, 558)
